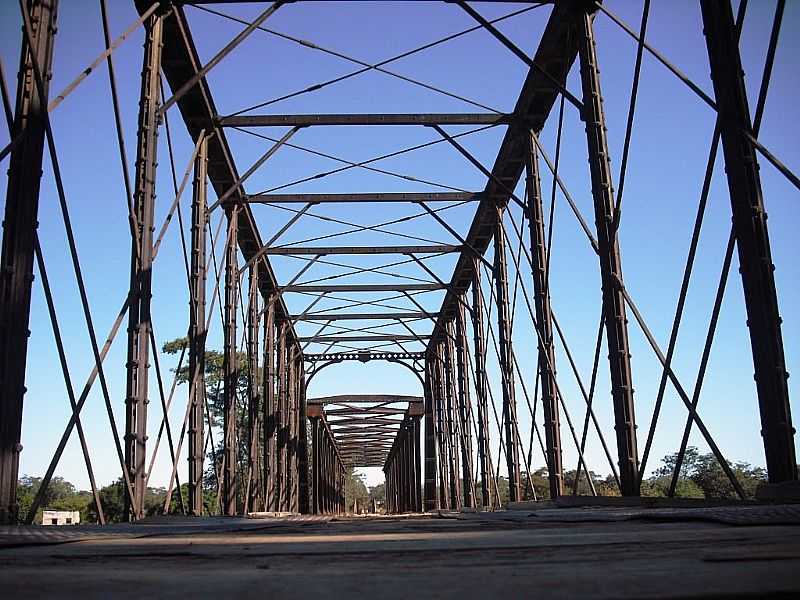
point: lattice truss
(298, 256)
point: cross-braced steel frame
(436, 450)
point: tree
(378, 493)
(60, 495)
(702, 476)
(214, 383)
(354, 489)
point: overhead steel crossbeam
(350, 398)
(363, 197)
(360, 316)
(363, 356)
(369, 287)
(325, 250)
(364, 119)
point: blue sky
(669, 150)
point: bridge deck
(573, 552)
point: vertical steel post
(315, 442)
(506, 359)
(230, 369)
(269, 418)
(541, 294)
(752, 240)
(481, 389)
(302, 442)
(197, 331)
(291, 429)
(280, 420)
(139, 321)
(19, 235)
(441, 432)
(451, 419)
(610, 261)
(253, 387)
(464, 405)
(416, 482)
(431, 499)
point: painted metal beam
(364, 197)
(364, 119)
(556, 54)
(392, 287)
(326, 250)
(390, 316)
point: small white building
(61, 517)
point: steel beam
(270, 417)
(281, 416)
(506, 361)
(362, 338)
(464, 407)
(326, 250)
(451, 421)
(139, 320)
(610, 261)
(364, 356)
(254, 392)
(230, 370)
(363, 197)
(388, 316)
(541, 295)
(197, 332)
(430, 497)
(481, 386)
(181, 64)
(377, 398)
(555, 55)
(19, 235)
(752, 240)
(364, 119)
(392, 287)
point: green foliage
(354, 489)
(214, 383)
(378, 493)
(60, 495)
(701, 476)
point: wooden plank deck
(558, 553)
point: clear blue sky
(669, 150)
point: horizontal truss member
(364, 356)
(325, 250)
(362, 316)
(364, 119)
(365, 197)
(363, 338)
(350, 398)
(391, 287)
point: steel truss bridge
(436, 448)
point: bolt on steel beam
(506, 360)
(610, 261)
(197, 330)
(19, 236)
(364, 119)
(541, 292)
(139, 320)
(230, 371)
(750, 228)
